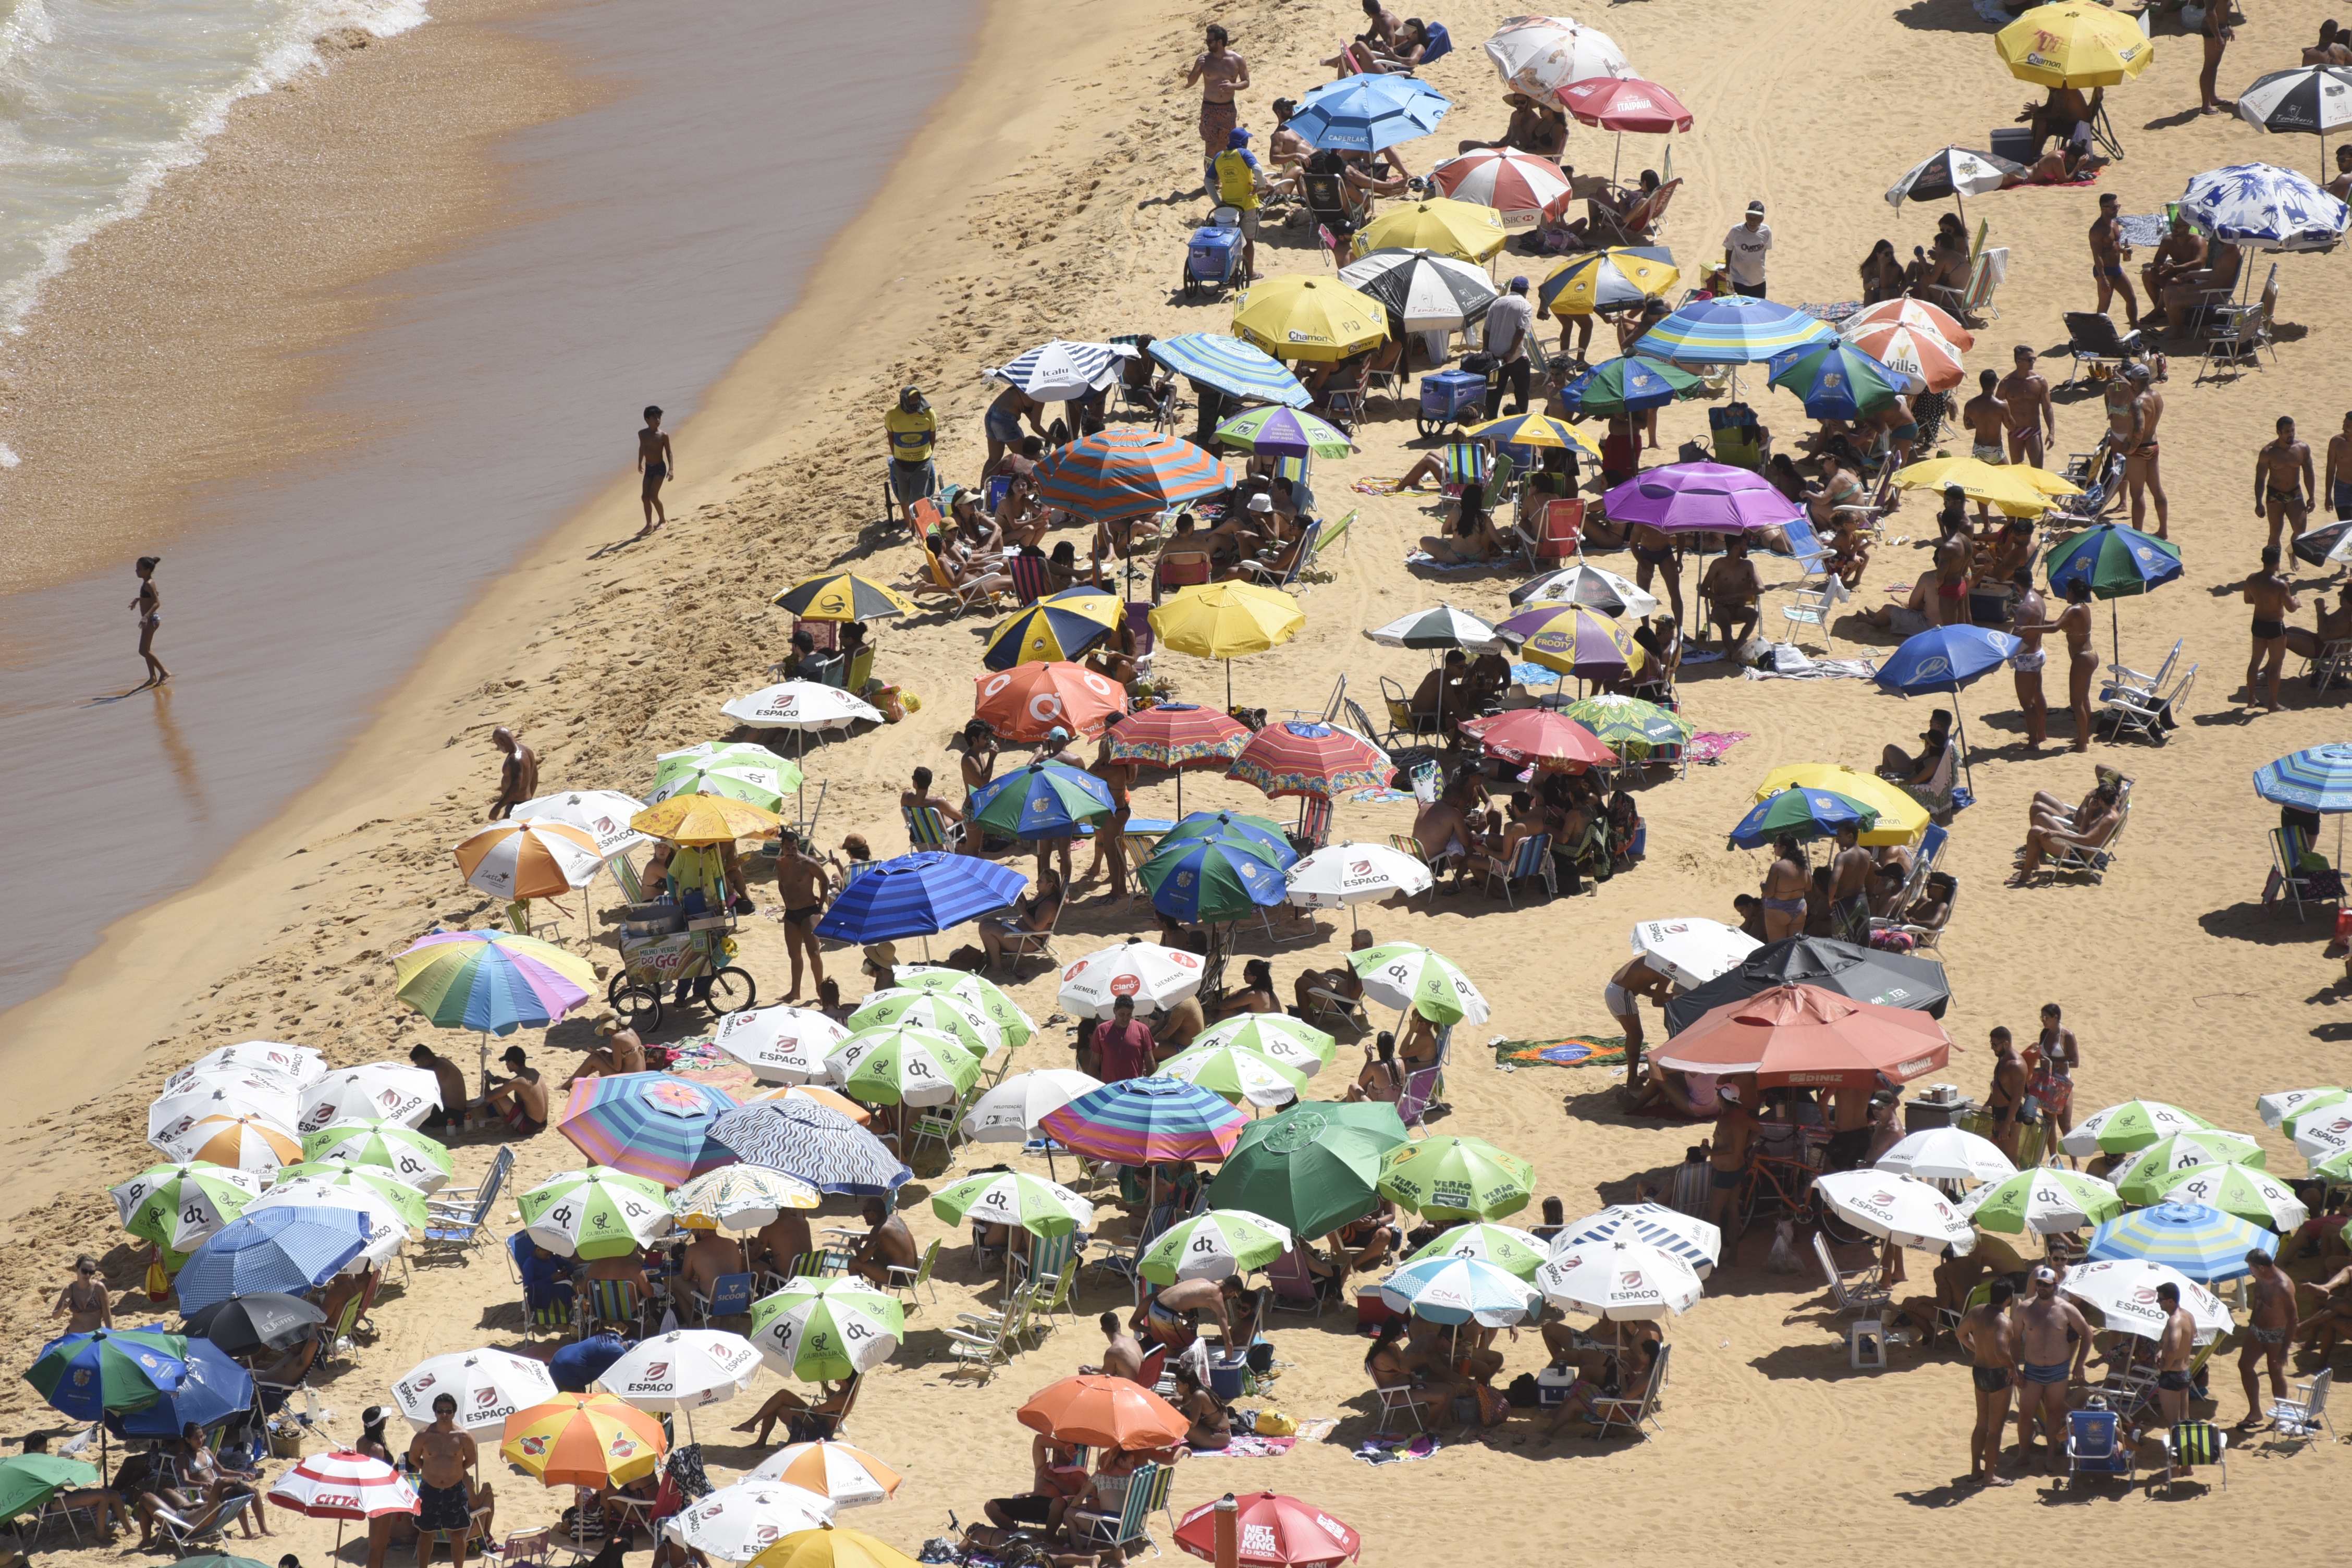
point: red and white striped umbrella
(1909, 312)
(1522, 187)
(538, 858)
(1913, 350)
(1308, 759)
(345, 1484)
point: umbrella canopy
(831, 1548)
(27, 1482)
(705, 819)
(2124, 1291)
(2282, 1106)
(2258, 204)
(1730, 330)
(900, 1064)
(780, 1044)
(1693, 950)
(1272, 1532)
(1513, 1250)
(406, 1155)
(89, 1374)
(1951, 174)
(1178, 735)
(1622, 722)
(1446, 1289)
(1405, 974)
(1522, 187)
(596, 1213)
(1902, 1209)
(489, 1385)
(2134, 1124)
(1800, 813)
(1029, 701)
(2141, 1178)
(1460, 229)
(1200, 881)
(1235, 1073)
(842, 596)
(1573, 639)
(172, 1115)
(216, 1391)
(1594, 587)
(1126, 472)
(842, 1473)
(1865, 974)
(1628, 1280)
(740, 1198)
(2313, 99)
(1317, 319)
(375, 1091)
(528, 858)
(491, 981)
(1343, 874)
(941, 1012)
(1447, 1177)
(1804, 1033)
(1231, 366)
(1009, 1112)
(1102, 1412)
(1310, 1168)
(1442, 627)
(1214, 1245)
(1061, 371)
(2074, 45)
(800, 705)
(1012, 1199)
(920, 894)
(685, 1369)
(1539, 738)
(303, 1064)
(2044, 1200)
(2202, 1243)
(821, 1146)
(1915, 351)
(826, 1330)
(344, 1484)
(1906, 311)
(1626, 385)
(2323, 1137)
(583, 1440)
(815, 1094)
(650, 1124)
(1268, 839)
(1300, 1047)
(1944, 658)
(1299, 757)
(1536, 431)
(737, 1523)
(736, 769)
(1014, 1028)
(1836, 380)
(1901, 819)
(1421, 290)
(1040, 800)
(176, 1207)
(1365, 113)
(283, 1249)
(1671, 1231)
(1278, 432)
(1226, 620)
(1701, 497)
(2019, 490)
(1539, 55)
(2316, 779)
(1622, 103)
(2239, 1191)
(1153, 977)
(1147, 1122)
(389, 1219)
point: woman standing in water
(150, 607)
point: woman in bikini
(149, 605)
(84, 1303)
(2050, 1063)
(2082, 664)
(1381, 1079)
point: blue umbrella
(1630, 384)
(1731, 329)
(2203, 1242)
(1837, 380)
(1040, 800)
(215, 1389)
(1944, 658)
(1203, 881)
(2116, 562)
(1231, 366)
(919, 895)
(2316, 779)
(1366, 113)
(815, 1142)
(1254, 832)
(1803, 811)
(1451, 1289)
(289, 1249)
(2259, 204)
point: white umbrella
(1257, 1078)
(1422, 291)
(1277, 1037)
(245, 1142)
(1948, 1155)
(1536, 55)
(1590, 586)
(1626, 1279)
(1440, 625)
(489, 1386)
(1692, 949)
(735, 1524)
(847, 1476)
(781, 1045)
(271, 1097)
(301, 1063)
(2279, 1107)
(2124, 1291)
(374, 1091)
(1061, 371)
(1152, 974)
(2324, 1134)
(685, 1369)
(1903, 1209)
(601, 813)
(800, 705)
(1685, 1236)
(1351, 874)
(1009, 1112)
(1407, 974)
(387, 1230)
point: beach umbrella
(1279, 1037)
(1917, 315)
(376, 1091)
(651, 1124)
(683, 1370)
(842, 596)
(902, 1064)
(269, 1099)
(1013, 1198)
(215, 1391)
(1626, 385)
(1539, 738)
(1944, 660)
(1463, 231)
(1623, 1280)
(2313, 99)
(1315, 319)
(1349, 874)
(405, 1154)
(1836, 380)
(1622, 103)
(824, 1331)
(1865, 974)
(1230, 366)
(1447, 1177)
(1227, 621)
(984, 997)
(1684, 1237)
(1594, 587)
(1421, 290)
(1909, 351)
(1200, 881)
(1446, 1289)
(1691, 949)
(2335, 1168)
(1539, 55)
(1277, 432)
(1803, 813)
(1310, 1168)
(528, 858)
(583, 1440)
(388, 1220)
(1701, 497)
(842, 1474)
(1126, 472)
(813, 1094)
(1029, 701)
(1364, 113)
(941, 1012)
(1214, 1245)
(821, 1147)
(2239, 1191)
(1506, 1248)
(2261, 205)
(1441, 626)
(344, 1484)
(2044, 1199)
(736, 769)
(1573, 639)
(1522, 187)
(740, 1198)
(1299, 757)
(176, 1207)
(1153, 977)
(705, 819)
(1730, 330)
(1270, 840)
(2134, 1124)
(1060, 371)
(1903, 1210)
(780, 1044)
(1901, 819)
(737, 1523)
(283, 1249)
(1272, 1532)
(2316, 779)
(1407, 977)
(2017, 490)
(1534, 431)
(1628, 724)
(800, 705)
(832, 1547)
(596, 1213)
(1103, 1412)
(2281, 1108)
(27, 1482)
(2140, 1178)
(2201, 1241)
(2074, 45)
(1040, 800)
(2323, 1136)
(2124, 1291)
(1009, 1112)
(491, 981)
(919, 894)
(303, 1064)
(1177, 736)
(1147, 1122)
(1804, 1033)
(1235, 1073)
(87, 1376)
(1953, 173)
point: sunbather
(2041, 842)
(1473, 537)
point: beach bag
(1523, 1393)
(1236, 180)
(159, 1280)
(1274, 1423)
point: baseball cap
(1519, 285)
(911, 399)
(2045, 1275)
(1755, 209)
(1237, 137)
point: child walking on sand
(149, 608)
(657, 463)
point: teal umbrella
(1311, 1169)
(1838, 380)
(86, 1375)
(30, 1481)
(2116, 562)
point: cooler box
(1446, 394)
(1372, 1310)
(1552, 1385)
(1212, 255)
(1923, 1115)
(1226, 1375)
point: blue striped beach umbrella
(285, 1249)
(815, 1142)
(2318, 778)
(1126, 472)
(1693, 1240)
(1365, 113)
(651, 1124)
(1147, 1122)
(1061, 371)
(2203, 1243)
(1040, 800)
(1732, 329)
(919, 895)
(1461, 1290)
(1231, 366)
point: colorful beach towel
(1396, 1450)
(1379, 487)
(1709, 746)
(1423, 560)
(1249, 1445)
(1567, 1051)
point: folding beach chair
(928, 828)
(2096, 1448)
(1631, 1416)
(2194, 1443)
(1531, 859)
(1030, 579)
(2235, 332)
(2286, 876)
(2303, 1414)
(2092, 340)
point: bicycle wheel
(1841, 1231)
(1758, 1198)
(731, 991)
(640, 1006)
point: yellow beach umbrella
(832, 1547)
(842, 596)
(1607, 280)
(2079, 45)
(2019, 490)
(583, 1440)
(705, 819)
(1532, 429)
(1901, 819)
(1227, 621)
(1298, 318)
(1447, 226)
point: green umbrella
(1304, 1170)
(1601, 392)
(2134, 1124)
(822, 1330)
(1222, 889)
(901, 1064)
(941, 1012)
(1622, 722)
(109, 1368)
(1234, 827)
(374, 1179)
(1300, 1047)
(178, 1207)
(1014, 1027)
(2044, 1199)
(409, 1155)
(596, 1213)
(1448, 1177)
(30, 1481)
(738, 769)
(1506, 1247)
(1407, 975)
(2145, 1176)
(1213, 1246)
(2256, 1196)
(1236, 1073)
(2336, 1167)
(1293, 427)
(1011, 1197)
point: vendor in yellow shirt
(912, 428)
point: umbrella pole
(2116, 629)
(1228, 686)
(1960, 725)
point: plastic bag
(1274, 1423)
(1782, 1259)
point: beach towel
(1693, 655)
(1534, 675)
(2146, 229)
(1249, 1445)
(1421, 561)
(1709, 746)
(1567, 1051)
(1396, 1450)
(1375, 487)
(1837, 310)
(1791, 664)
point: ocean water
(101, 99)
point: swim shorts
(2172, 1381)
(444, 1509)
(2054, 1371)
(1989, 1379)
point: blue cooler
(1225, 1377)
(1211, 259)
(1446, 394)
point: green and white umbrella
(2142, 1178)
(822, 1330)
(1281, 1038)
(738, 770)
(2256, 1196)
(2134, 1124)
(1235, 1073)
(1009, 1198)
(941, 1012)
(2044, 1199)
(596, 1213)
(2335, 1168)
(1407, 975)
(1506, 1247)
(408, 1154)
(2324, 1134)
(1213, 1246)
(1457, 1178)
(1014, 1027)
(894, 1066)
(2280, 1108)
(371, 1181)
(178, 1207)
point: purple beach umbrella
(1701, 497)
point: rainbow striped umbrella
(490, 979)
(1298, 757)
(1573, 639)
(1179, 735)
(1146, 1120)
(1732, 329)
(650, 1124)
(1126, 472)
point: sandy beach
(1049, 195)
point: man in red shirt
(1122, 1046)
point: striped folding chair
(1464, 463)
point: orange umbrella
(583, 1440)
(1030, 701)
(815, 1094)
(1104, 1413)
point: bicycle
(1785, 1184)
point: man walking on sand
(2285, 490)
(657, 463)
(517, 776)
(445, 1459)
(1744, 249)
(1221, 75)
(2108, 253)
(802, 883)
(2270, 1319)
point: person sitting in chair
(2093, 827)
(1473, 537)
(1032, 912)
(1732, 590)
(1898, 766)
(2185, 295)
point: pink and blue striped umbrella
(650, 1124)
(490, 979)
(1145, 1120)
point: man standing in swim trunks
(2274, 600)
(445, 1459)
(517, 776)
(2270, 1318)
(1727, 1153)
(2139, 458)
(2026, 611)
(1991, 1340)
(2046, 1326)
(2108, 253)
(2283, 487)
(1221, 74)
(2032, 418)
(1986, 417)
(655, 461)
(1785, 881)
(2339, 470)
(2173, 1349)
(802, 883)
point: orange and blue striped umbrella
(583, 1440)
(1128, 472)
(1145, 1121)
(650, 1124)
